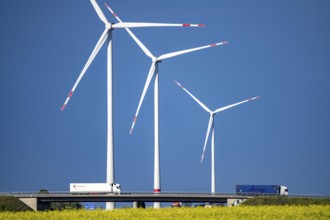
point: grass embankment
(282, 200)
(10, 203)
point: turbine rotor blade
(146, 86)
(207, 136)
(99, 12)
(152, 24)
(141, 45)
(238, 103)
(89, 61)
(112, 12)
(145, 24)
(199, 102)
(169, 55)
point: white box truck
(95, 188)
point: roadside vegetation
(61, 205)
(283, 200)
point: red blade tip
(193, 25)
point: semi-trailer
(99, 188)
(262, 189)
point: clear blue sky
(278, 50)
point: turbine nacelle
(108, 26)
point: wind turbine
(107, 35)
(211, 127)
(153, 73)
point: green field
(226, 213)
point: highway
(131, 197)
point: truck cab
(116, 188)
(284, 191)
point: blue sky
(277, 49)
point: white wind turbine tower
(211, 127)
(153, 73)
(107, 35)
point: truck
(95, 188)
(262, 190)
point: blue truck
(262, 190)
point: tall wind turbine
(107, 35)
(153, 73)
(211, 128)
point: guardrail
(124, 193)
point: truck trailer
(95, 188)
(262, 189)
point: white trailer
(101, 188)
